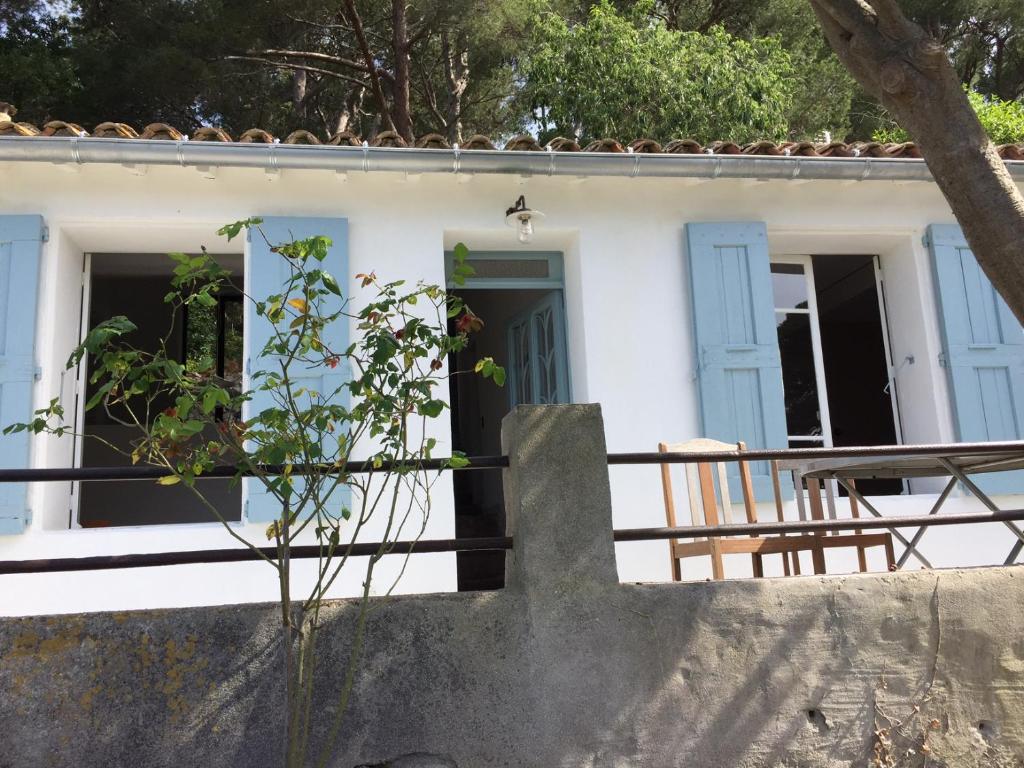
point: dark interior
(853, 351)
(478, 406)
(136, 289)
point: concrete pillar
(558, 506)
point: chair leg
(758, 566)
(717, 567)
(677, 571)
(890, 556)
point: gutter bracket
(867, 169)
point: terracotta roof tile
(60, 128)
(835, 149)
(562, 144)
(301, 137)
(433, 141)
(683, 147)
(525, 142)
(763, 148)
(210, 133)
(604, 145)
(7, 128)
(799, 149)
(256, 136)
(114, 131)
(907, 149)
(869, 149)
(161, 131)
(345, 139)
(389, 139)
(477, 141)
(646, 146)
(1011, 151)
(726, 148)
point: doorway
(830, 319)
(519, 297)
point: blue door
(538, 369)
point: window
(134, 285)
(835, 361)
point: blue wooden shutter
(739, 369)
(21, 240)
(267, 272)
(983, 352)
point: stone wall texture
(565, 667)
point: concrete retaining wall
(565, 667)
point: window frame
(804, 261)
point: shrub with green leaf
(297, 443)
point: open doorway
(830, 318)
(134, 285)
(521, 304)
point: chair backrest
(709, 501)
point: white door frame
(81, 380)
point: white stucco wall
(628, 321)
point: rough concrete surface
(565, 667)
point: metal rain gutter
(73, 150)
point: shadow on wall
(564, 667)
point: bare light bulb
(525, 229)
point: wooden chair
(708, 507)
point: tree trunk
(456, 71)
(909, 73)
(349, 115)
(401, 87)
(299, 93)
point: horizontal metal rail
(238, 555)
(868, 451)
(816, 526)
(495, 543)
(93, 474)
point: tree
(908, 71)
(297, 443)
(620, 75)
(1002, 120)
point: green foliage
(1002, 120)
(620, 74)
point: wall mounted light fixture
(521, 217)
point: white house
(652, 270)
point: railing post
(557, 500)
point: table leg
(921, 531)
(984, 499)
(896, 534)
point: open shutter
(983, 352)
(21, 240)
(739, 369)
(266, 274)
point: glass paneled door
(538, 370)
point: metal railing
(502, 543)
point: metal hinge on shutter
(943, 362)
(45, 236)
